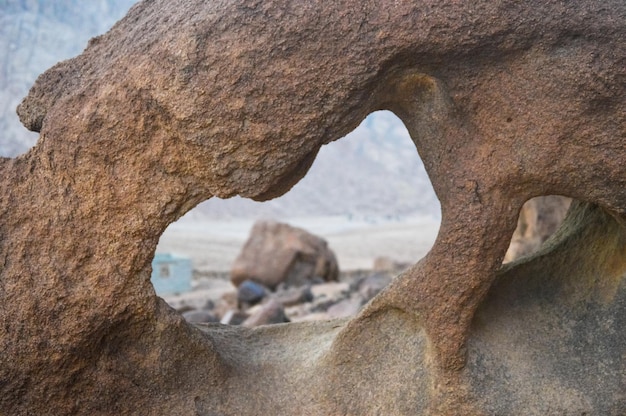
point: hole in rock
(539, 218)
(367, 195)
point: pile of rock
(252, 304)
(284, 274)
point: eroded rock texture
(184, 100)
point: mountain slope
(34, 35)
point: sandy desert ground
(213, 245)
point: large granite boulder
(278, 253)
(184, 100)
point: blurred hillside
(374, 171)
(34, 35)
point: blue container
(171, 274)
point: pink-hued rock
(185, 100)
(278, 253)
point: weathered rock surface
(34, 35)
(184, 100)
(278, 253)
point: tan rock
(278, 253)
(185, 100)
(310, 317)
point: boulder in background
(278, 253)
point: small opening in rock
(509, 119)
(539, 218)
(367, 195)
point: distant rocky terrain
(283, 274)
(273, 280)
(34, 35)
(374, 171)
(216, 300)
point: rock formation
(277, 253)
(184, 100)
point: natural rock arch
(184, 100)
